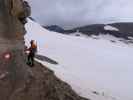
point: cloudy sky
(73, 13)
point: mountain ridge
(125, 29)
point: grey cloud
(72, 13)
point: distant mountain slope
(124, 27)
(125, 30)
(55, 28)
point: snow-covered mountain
(95, 67)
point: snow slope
(87, 64)
(110, 28)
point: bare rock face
(12, 12)
(14, 73)
(17, 80)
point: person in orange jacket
(32, 50)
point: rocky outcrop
(10, 13)
(44, 85)
(17, 80)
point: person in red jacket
(32, 50)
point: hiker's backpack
(33, 48)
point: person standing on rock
(32, 51)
